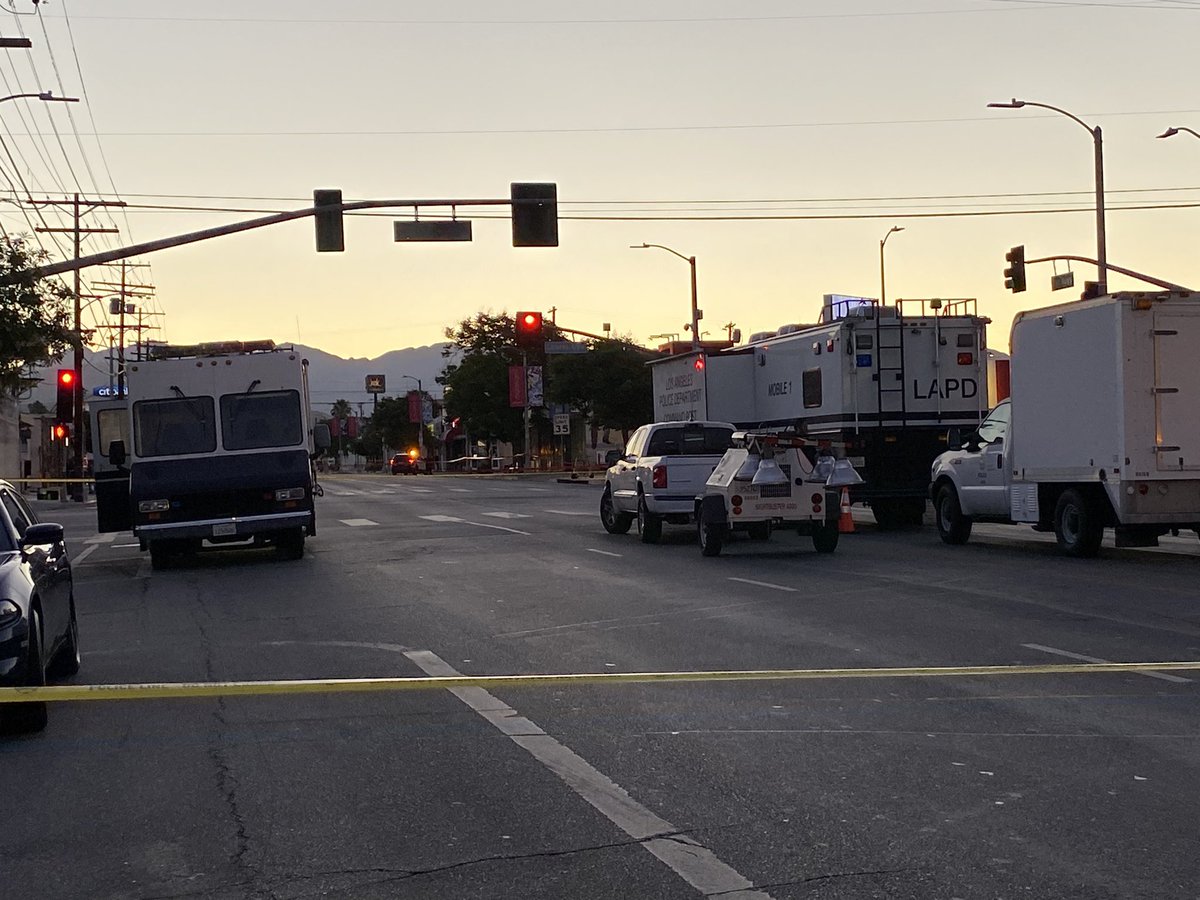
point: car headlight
(153, 505)
(10, 613)
(290, 494)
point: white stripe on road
(356, 523)
(603, 552)
(123, 546)
(102, 538)
(460, 490)
(682, 853)
(421, 490)
(766, 584)
(507, 515)
(345, 493)
(383, 491)
(540, 490)
(568, 512)
(465, 522)
(440, 518)
(498, 527)
(87, 551)
(1162, 676)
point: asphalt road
(1080, 786)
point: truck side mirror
(116, 453)
(321, 439)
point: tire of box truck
(1078, 524)
(953, 527)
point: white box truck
(213, 444)
(1102, 430)
(887, 382)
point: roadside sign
(565, 347)
(562, 424)
(376, 384)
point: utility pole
(126, 291)
(78, 231)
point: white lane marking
(766, 584)
(421, 490)
(507, 515)
(345, 493)
(123, 546)
(84, 554)
(682, 853)
(356, 523)
(568, 512)
(383, 491)
(460, 490)
(1162, 676)
(498, 528)
(603, 552)
(441, 518)
(102, 538)
(539, 490)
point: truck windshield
(174, 427)
(690, 440)
(254, 421)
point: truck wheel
(759, 531)
(649, 526)
(614, 522)
(953, 527)
(825, 537)
(712, 534)
(160, 555)
(1077, 524)
(290, 544)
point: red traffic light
(66, 377)
(59, 432)
(529, 330)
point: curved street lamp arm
(1071, 116)
(661, 247)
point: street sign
(1065, 280)
(565, 347)
(432, 230)
(376, 384)
(562, 424)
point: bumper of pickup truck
(671, 504)
(227, 527)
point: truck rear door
(110, 424)
(1176, 390)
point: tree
(611, 384)
(341, 409)
(35, 319)
(390, 420)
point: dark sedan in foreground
(38, 633)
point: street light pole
(420, 415)
(1171, 132)
(691, 261)
(1098, 145)
(882, 282)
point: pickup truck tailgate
(686, 476)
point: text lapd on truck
(213, 442)
(1103, 428)
(887, 381)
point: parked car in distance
(658, 478)
(39, 636)
(406, 464)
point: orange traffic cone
(846, 520)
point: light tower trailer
(888, 382)
(221, 449)
(767, 481)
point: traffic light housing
(68, 389)
(60, 431)
(534, 215)
(530, 335)
(328, 218)
(1014, 275)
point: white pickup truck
(662, 471)
(1103, 429)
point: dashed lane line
(477, 524)
(766, 584)
(569, 512)
(1161, 676)
(102, 538)
(84, 554)
(507, 515)
(357, 523)
(680, 852)
(603, 552)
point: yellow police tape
(169, 691)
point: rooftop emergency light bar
(209, 348)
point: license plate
(224, 530)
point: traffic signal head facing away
(68, 390)
(1014, 275)
(529, 330)
(60, 431)
(534, 215)
(328, 218)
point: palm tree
(341, 409)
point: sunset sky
(849, 116)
